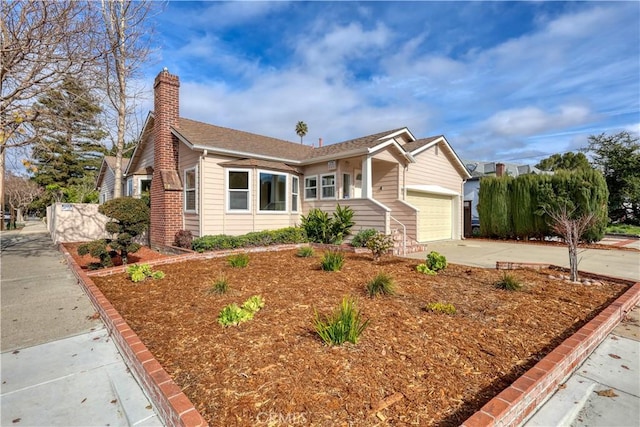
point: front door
(357, 184)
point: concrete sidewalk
(605, 389)
(59, 366)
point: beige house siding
(368, 213)
(385, 181)
(434, 169)
(190, 159)
(146, 158)
(108, 184)
(405, 214)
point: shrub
(436, 262)
(305, 252)
(332, 261)
(98, 249)
(509, 283)
(238, 260)
(439, 307)
(424, 269)
(379, 244)
(220, 286)
(140, 272)
(233, 314)
(183, 239)
(320, 228)
(344, 325)
(381, 284)
(258, 238)
(362, 237)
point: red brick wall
(166, 205)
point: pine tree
(70, 147)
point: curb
(172, 405)
(517, 402)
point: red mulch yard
(411, 366)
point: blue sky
(509, 81)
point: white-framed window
(238, 194)
(130, 186)
(295, 188)
(144, 185)
(190, 190)
(272, 194)
(328, 186)
(346, 185)
(310, 187)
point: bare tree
(41, 43)
(571, 229)
(127, 34)
(20, 192)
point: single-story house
(478, 170)
(214, 180)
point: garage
(436, 205)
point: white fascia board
(432, 189)
(393, 142)
(440, 139)
(399, 132)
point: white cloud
(529, 121)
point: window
(294, 193)
(311, 187)
(238, 185)
(190, 192)
(328, 185)
(346, 186)
(273, 191)
(145, 185)
(130, 187)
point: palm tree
(301, 129)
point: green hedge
(515, 207)
(257, 238)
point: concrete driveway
(485, 253)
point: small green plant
(362, 237)
(345, 324)
(220, 286)
(332, 261)
(424, 269)
(320, 228)
(140, 272)
(238, 260)
(509, 283)
(379, 244)
(436, 262)
(233, 314)
(440, 307)
(381, 284)
(305, 252)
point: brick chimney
(500, 169)
(319, 142)
(166, 186)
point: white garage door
(436, 214)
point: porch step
(412, 246)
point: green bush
(140, 272)
(305, 252)
(509, 283)
(183, 239)
(238, 260)
(424, 269)
(436, 261)
(128, 218)
(345, 324)
(379, 244)
(332, 261)
(439, 307)
(320, 228)
(258, 238)
(362, 237)
(220, 286)
(233, 315)
(381, 284)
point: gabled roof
(205, 136)
(109, 163)
(478, 169)
(419, 143)
(354, 145)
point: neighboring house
(214, 180)
(107, 179)
(479, 170)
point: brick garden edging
(511, 407)
(520, 400)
